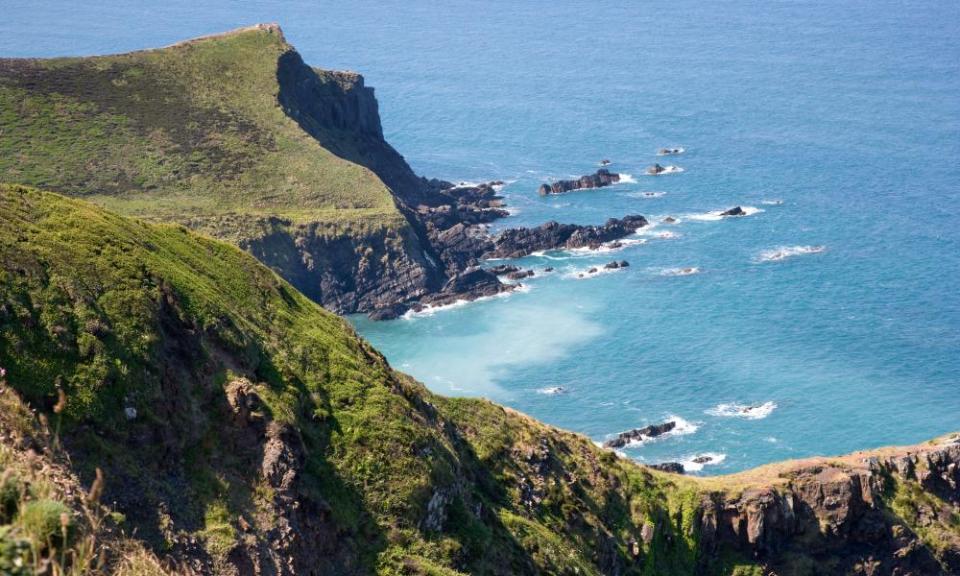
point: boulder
(672, 467)
(735, 211)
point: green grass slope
(126, 316)
(193, 130)
(243, 429)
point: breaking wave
(784, 252)
(747, 411)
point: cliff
(235, 136)
(238, 428)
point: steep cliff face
(359, 270)
(342, 113)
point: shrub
(42, 521)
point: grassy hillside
(195, 129)
(241, 427)
(124, 315)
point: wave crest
(784, 252)
(747, 411)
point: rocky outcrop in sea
(519, 242)
(598, 179)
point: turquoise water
(847, 113)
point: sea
(826, 320)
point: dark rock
(520, 274)
(735, 211)
(604, 162)
(702, 459)
(599, 179)
(616, 264)
(518, 242)
(669, 220)
(592, 271)
(389, 313)
(502, 269)
(548, 269)
(673, 467)
(640, 434)
(655, 169)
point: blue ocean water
(848, 114)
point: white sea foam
(682, 428)
(680, 271)
(430, 310)
(552, 390)
(611, 246)
(717, 214)
(627, 178)
(690, 464)
(773, 202)
(747, 411)
(585, 274)
(784, 252)
(671, 169)
(645, 195)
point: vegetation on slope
(152, 332)
(240, 427)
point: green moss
(218, 531)
(932, 519)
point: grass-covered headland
(235, 136)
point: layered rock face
(893, 511)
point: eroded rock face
(599, 179)
(841, 513)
